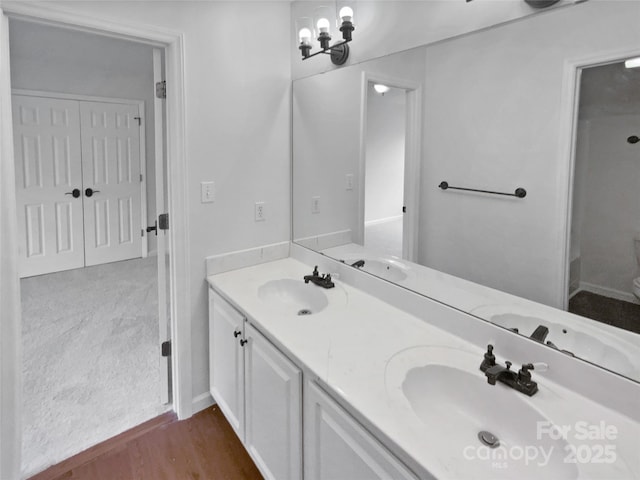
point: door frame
(412, 159)
(142, 130)
(10, 324)
(568, 135)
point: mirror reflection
(500, 109)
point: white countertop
(605, 345)
(350, 345)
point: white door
(226, 360)
(273, 409)
(111, 182)
(164, 286)
(47, 156)
(336, 446)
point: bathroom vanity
(368, 380)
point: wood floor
(203, 447)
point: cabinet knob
(236, 333)
(242, 342)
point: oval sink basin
(451, 397)
(386, 268)
(586, 342)
(293, 297)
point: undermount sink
(294, 297)
(450, 395)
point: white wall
(326, 140)
(389, 26)
(492, 121)
(612, 203)
(326, 146)
(63, 61)
(384, 177)
(237, 97)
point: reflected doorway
(384, 168)
(604, 262)
(389, 167)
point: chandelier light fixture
(320, 28)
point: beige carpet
(90, 358)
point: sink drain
(305, 311)
(489, 439)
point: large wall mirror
(544, 104)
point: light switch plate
(207, 192)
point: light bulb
(632, 63)
(323, 25)
(380, 88)
(346, 14)
(305, 36)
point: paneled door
(111, 181)
(48, 184)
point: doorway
(389, 166)
(384, 169)
(91, 336)
(171, 45)
(604, 250)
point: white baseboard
(608, 292)
(380, 221)
(202, 401)
(246, 258)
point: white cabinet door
(111, 170)
(226, 360)
(273, 394)
(336, 447)
(47, 155)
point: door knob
(75, 192)
(89, 192)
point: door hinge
(163, 221)
(166, 348)
(404, 209)
(142, 232)
(139, 119)
(161, 89)
(140, 178)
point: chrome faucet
(520, 381)
(358, 264)
(323, 280)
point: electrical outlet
(207, 192)
(315, 204)
(349, 181)
(260, 213)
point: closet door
(48, 170)
(111, 182)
